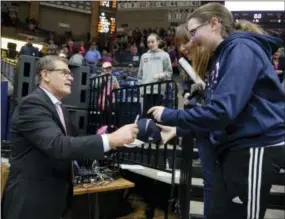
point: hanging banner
(156, 4)
(78, 6)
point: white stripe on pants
(254, 182)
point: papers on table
(131, 167)
(167, 174)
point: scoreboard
(111, 5)
(264, 18)
(106, 23)
(107, 17)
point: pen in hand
(137, 119)
(135, 122)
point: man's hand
(185, 98)
(156, 111)
(167, 133)
(124, 135)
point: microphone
(190, 71)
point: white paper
(166, 174)
(131, 167)
(190, 71)
(136, 143)
(5, 161)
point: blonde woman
(200, 60)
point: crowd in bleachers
(119, 48)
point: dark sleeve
(73, 129)
(185, 87)
(21, 51)
(233, 92)
(36, 123)
(182, 132)
(37, 52)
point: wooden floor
(195, 207)
(138, 212)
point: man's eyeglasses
(63, 72)
(193, 31)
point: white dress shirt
(55, 101)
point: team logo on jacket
(213, 80)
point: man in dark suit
(39, 184)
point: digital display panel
(261, 17)
(106, 23)
(109, 4)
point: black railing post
(186, 176)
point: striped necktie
(60, 114)
(61, 117)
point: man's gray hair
(47, 63)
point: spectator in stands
(77, 58)
(162, 45)
(82, 48)
(107, 69)
(92, 58)
(29, 49)
(155, 66)
(282, 52)
(115, 46)
(44, 50)
(133, 49)
(65, 49)
(108, 84)
(52, 48)
(174, 59)
(279, 65)
(106, 57)
(141, 46)
(244, 113)
(62, 53)
(32, 23)
(14, 18)
(70, 46)
(136, 35)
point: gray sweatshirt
(152, 63)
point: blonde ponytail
(244, 25)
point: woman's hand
(167, 133)
(185, 98)
(156, 112)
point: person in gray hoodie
(155, 66)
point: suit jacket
(39, 185)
